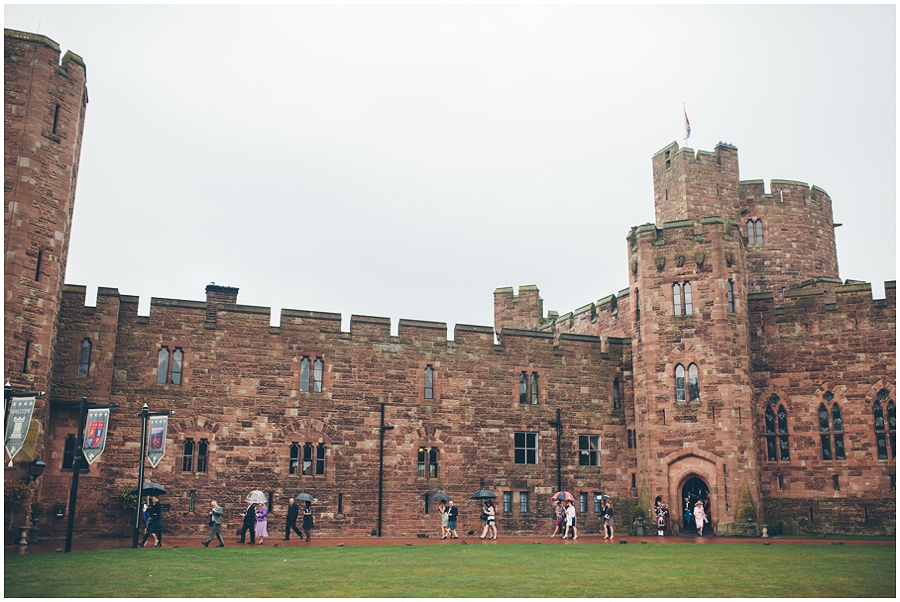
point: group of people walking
(564, 515)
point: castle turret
(692, 373)
(45, 103)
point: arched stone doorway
(694, 489)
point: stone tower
(692, 370)
(45, 103)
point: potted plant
(15, 496)
(37, 509)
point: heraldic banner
(158, 426)
(95, 437)
(19, 420)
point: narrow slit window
(320, 459)
(304, 374)
(688, 299)
(187, 456)
(306, 467)
(676, 298)
(177, 363)
(730, 295)
(37, 267)
(162, 365)
(751, 234)
(679, 383)
(759, 232)
(617, 398)
(294, 459)
(429, 382)
(694, 382)
(317, 375)
(202, 455)
(84, 358)
(534, 388)
(523, 388)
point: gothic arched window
(885, 430)
(776, 431)
(679, 383)
(694, 382)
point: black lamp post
(558, 424)
(384, 427)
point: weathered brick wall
(870, 516)
(241, 393)
(810, 350)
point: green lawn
(509, 571)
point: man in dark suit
(249, 524)
(293, 511)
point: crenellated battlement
(827, 301)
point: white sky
(405, 161)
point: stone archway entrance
(693, 489)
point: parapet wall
(797, 226)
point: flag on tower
(687, 126)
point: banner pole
(140, 487)
(76, 470)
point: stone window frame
(84, 357)
(777, 440)
(831, 429)
(521, 444)
(617, 393)
(682, 299)
(321, 464)
(755, 231)
(311, 374)
(422, 381)
(883, 404)
(198, 456)
(428, 460)
(588, 450)
(529, 387)
(176, 365)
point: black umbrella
(440, 497)
(151, 488)
(303, 497)
(483, 494)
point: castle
(736, 365)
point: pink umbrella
(563, 495)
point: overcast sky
(405, 161)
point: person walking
(307, 520)
(249, 524)
(215, 523)
(608, 520)
(570, 520)
(490, 517)
(262, 524)
(445, 519)
(154, 522)
(559, 517)
(452, 514)
(292, 514)
(700, 517)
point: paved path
(92, 543)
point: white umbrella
(256, 497)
